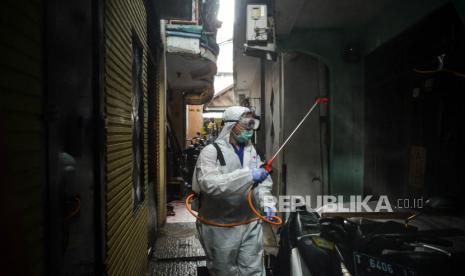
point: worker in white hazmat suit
(222, 190)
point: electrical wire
(441, 70)
(230, 40)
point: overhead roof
(223, 99)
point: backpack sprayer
(276, 220)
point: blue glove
(259, 174)
(269, 212)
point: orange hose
(278, 221)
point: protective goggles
(248, 123)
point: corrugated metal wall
(126, 230)
(22, 137)
(161, 138)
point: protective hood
(232, 113)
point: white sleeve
(213, 182)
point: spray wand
(268, 164)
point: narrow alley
(232, 137)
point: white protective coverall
(223, 190)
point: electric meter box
(257, 24)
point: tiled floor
(178, 251)
(176, 268)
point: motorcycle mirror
(333, 228)
(438, 205)
(332, 235)
(442, 204)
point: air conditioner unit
(257, 25)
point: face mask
(243, 137)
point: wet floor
(181, 213)
(178, 250)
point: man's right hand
(269, 212)
(259, 174)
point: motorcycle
(191, 154)
(313, 244)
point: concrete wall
(303, 81)
(460, 7)
(404, 151)
(194, 120)
(291, 85)
(22, 153)
(346, 169)
(396, 18)
(345, 107)
(74, 93)
(272, 120)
